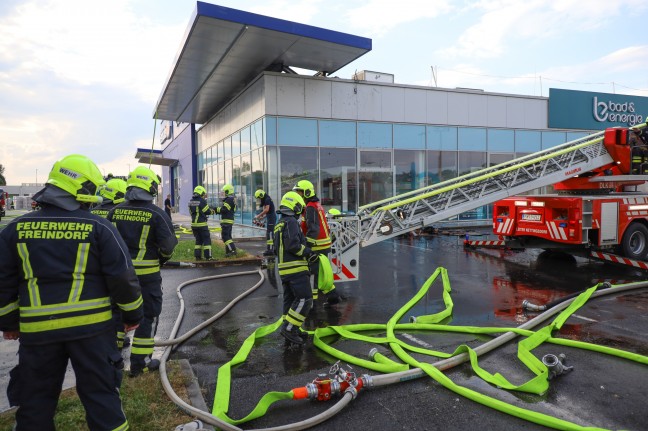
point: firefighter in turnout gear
(268, 211)
(112, 194)
(61, 268)
(149, 235)
(200, 210)
(226, 211)
(316, 229)
(292, 261)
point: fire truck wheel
(635, 242)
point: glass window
(527, 141)
(501, 141)
(471, 139)
(236, 174)
(258, 169)
(270, 127)
(245, 140)
(552, 139)
(441, 166)
(374, 135)
(256, 134)
(375, 176)
(227, 148)
(337, 169)
(572, 136)
(471, 161)
(409, 136)
(236, 144)
(296, 164)
(272, 168)
(337, 133)
(442, 138)
(409, 170)
(246, 194)
(497, 158)
(297, 131)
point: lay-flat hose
(381, 380)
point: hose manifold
(527, 305)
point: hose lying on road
(422, 369)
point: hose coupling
(412, 319)
(353, 391)
(556, 365)
(372, 353)
(526, 304)
(367, 381)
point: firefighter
(226, 211)
(150, 238)
(316, 229)
(639, 148)
(292, 261)
(61, 268)
(200, 210)
(112, 194)
(268, 211)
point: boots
(293, 334)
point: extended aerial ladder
(419, 208)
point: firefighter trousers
(297, 296)
(97, 366)
(144, 337)
(226, 234)
(203, 242)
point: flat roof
(224, 49)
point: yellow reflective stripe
(131, 305)
(122, 427)
(203, 224)
(142, 346)
(66, 307)
(147, 262)
(9, 308)
(142, 242)
(292, 313)
(32, 282)
(293, 263)
(205, 209)
(295, 322)
(226, 205)
(145, 271)
(66, 322)
(293, 271)
(229, 241)
(301, 250)
(78, 276)
(227, 221)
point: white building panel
(415, 105)
(317, 98)
(270, 92)
(290, 96)
(477, 110)
(496, 111)
(393, 104)
(344, 100)
(369, 103)
(536, 113)
(458, 110)
(436, 107)
(515, 112)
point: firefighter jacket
(199, 211)
(271, 215)
(290, 246)
(103, 208)
(226, 210)
(60, 270)
(315, 226)
(146, 230)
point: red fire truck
(3, 202)
(596, 212)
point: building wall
(330, 98)
(180, 148)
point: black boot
(292, 334)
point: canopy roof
(224, 49)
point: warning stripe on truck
(620, 259)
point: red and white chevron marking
(557, 233)
(493, 243)
(620, 259)
(505, 227)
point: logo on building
(609, 111)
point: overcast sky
(83, 76)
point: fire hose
(345, 382)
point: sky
(84, 76)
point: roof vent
(371, 76)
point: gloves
(312, 258)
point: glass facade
(353, 163)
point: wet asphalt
(488, 288)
